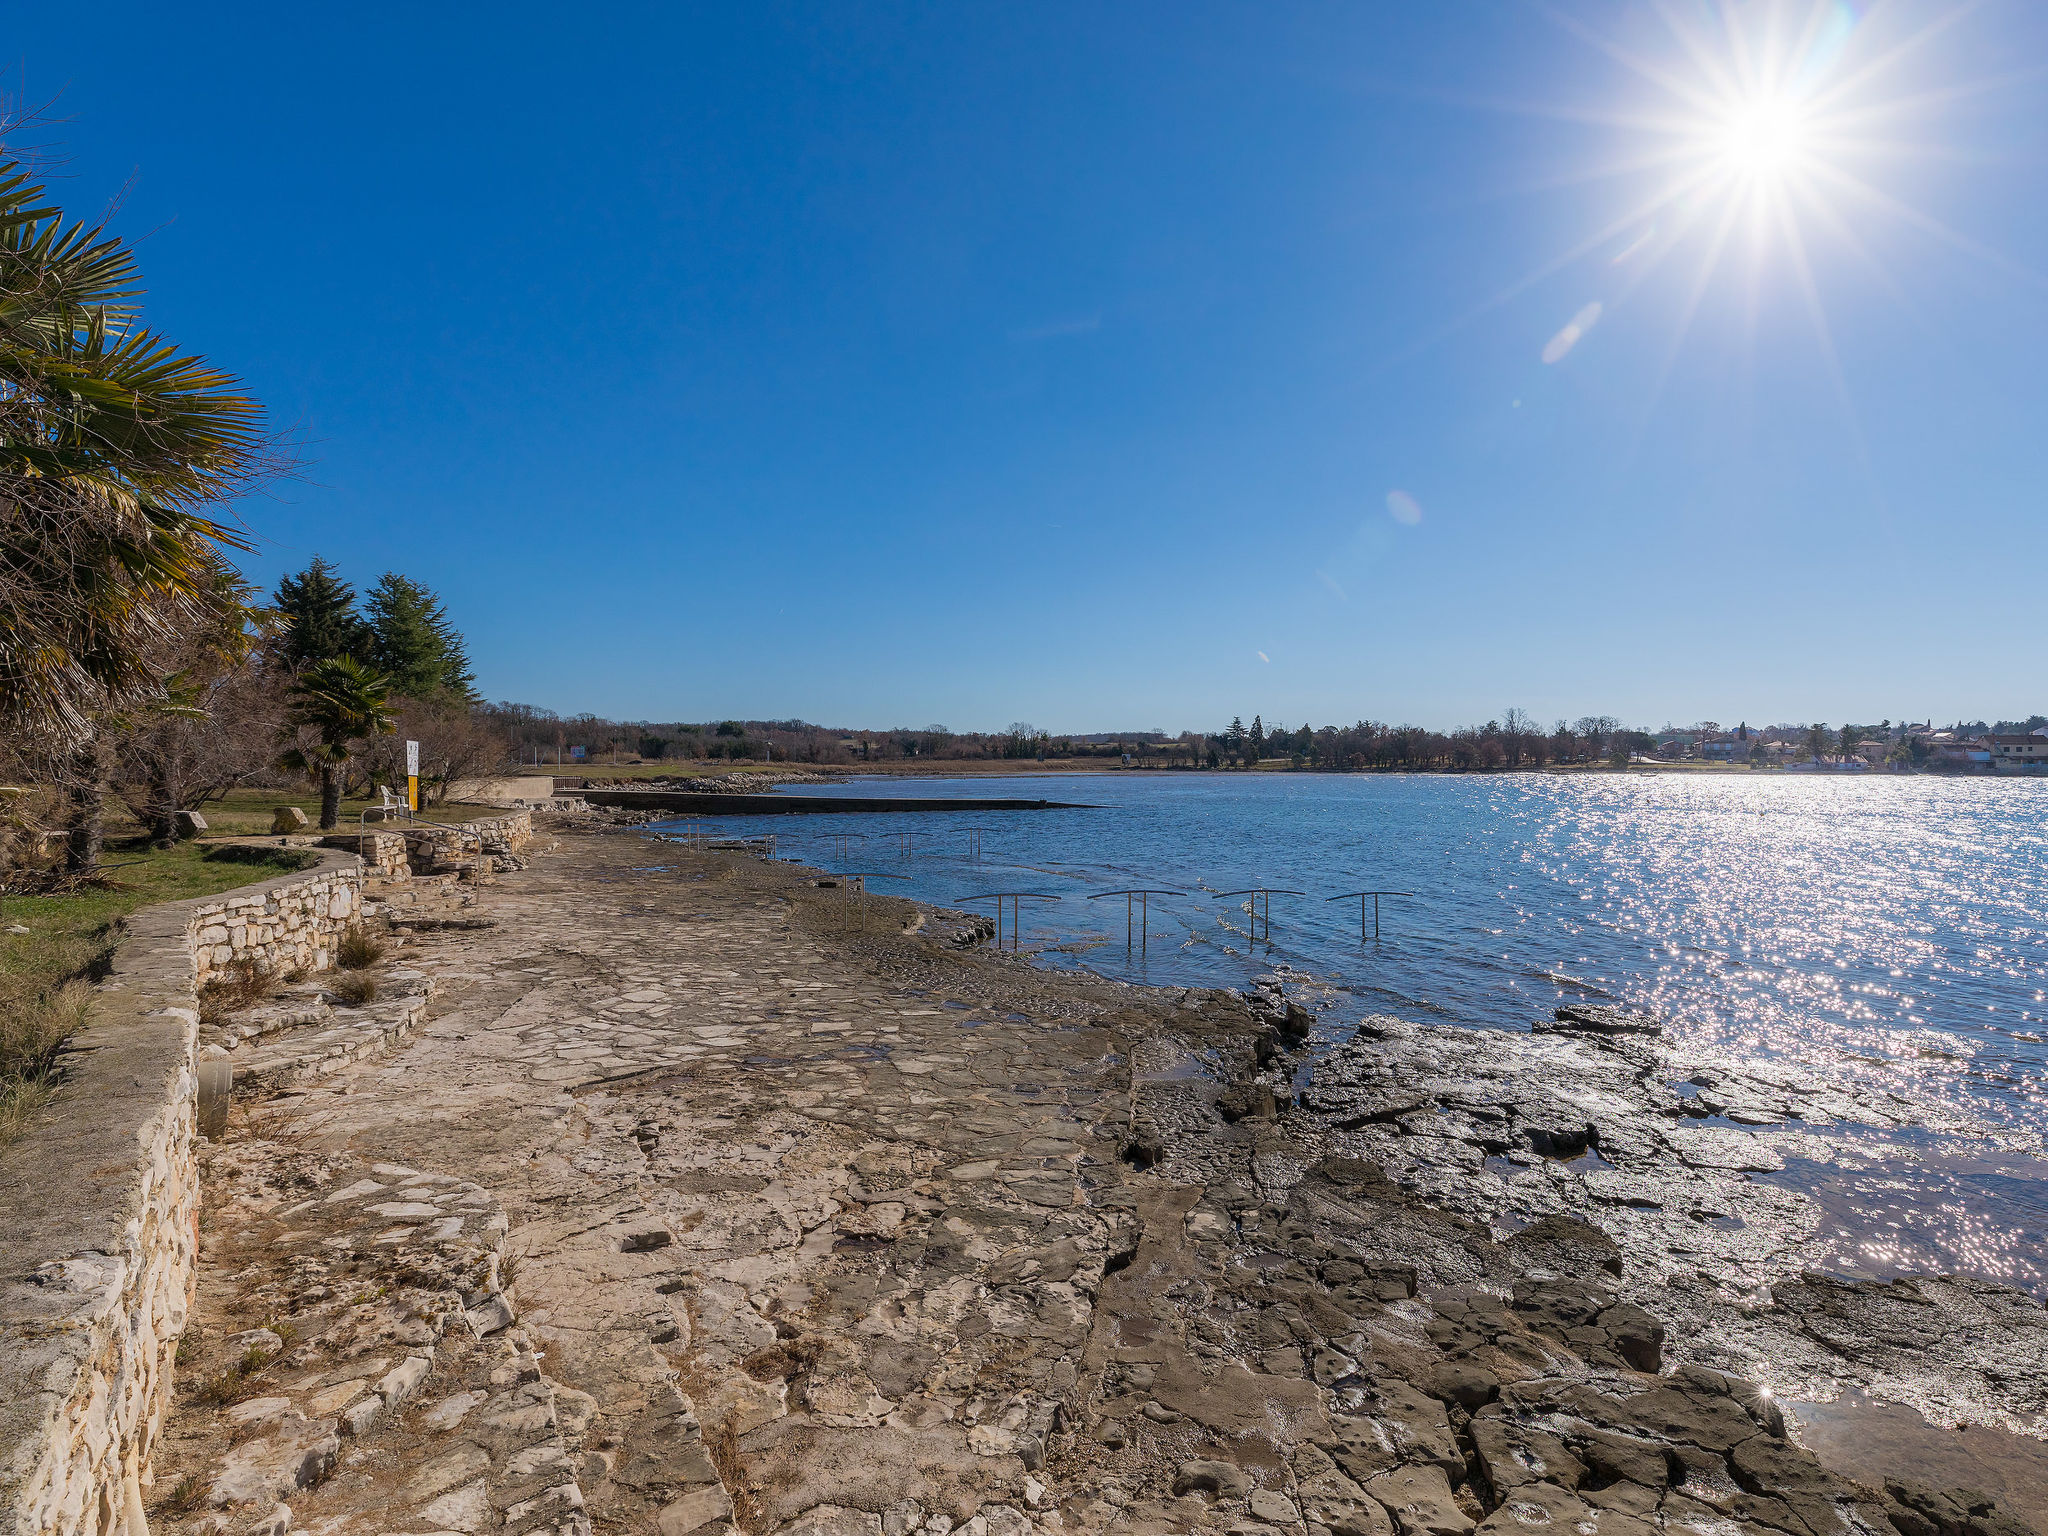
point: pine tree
(413, 643)
(456, 678)
(1258, 738)
(320, 622)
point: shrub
(353, 990)
(358, 951)
(235, 986)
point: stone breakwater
(99, 1201)
(693, 1209)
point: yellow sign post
(412, 775)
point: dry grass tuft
(723, 1443)
(185, 1496)
(234, 987)
(33, 1032)
(357, 951)
(231, 1385)
(353, 990)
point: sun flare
(1752, 141)
(1764, 139)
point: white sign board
(412, 759)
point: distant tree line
(1513, 741)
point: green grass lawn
(46, 973)
(246, 812)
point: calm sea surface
(1895, 930)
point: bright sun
(1757, 134)
(1764, 140)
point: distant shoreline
(964, 768)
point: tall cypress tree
(320, 618)
(413, 641)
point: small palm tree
(114, 446)
(344, 703)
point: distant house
(1719, 746)
(1957, 750)
(2009, 752)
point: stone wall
(288, 924)
(437, 847)
(382, 853)
(99, 1205)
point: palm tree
(344, 703)
(112, 445)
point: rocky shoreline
(693, 1208)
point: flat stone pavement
(692, 1207)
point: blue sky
(893, 364)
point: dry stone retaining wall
(382, 853)
(99, 1201)
(288, 924)
(99, 1207)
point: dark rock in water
(1262, 1101)
(1591, 1019)
(1564, 1246)
(1918, 1510)
(1599, 1327)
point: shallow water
(1893, 930)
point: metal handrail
(1255, 892)
(1144, 912)
(860, 878)
(1016, 912)
(1361, 895)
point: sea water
(1892, 929)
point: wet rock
(1547, 1508)
(1512, 1454)
(1918, 1510)
(1563, 1247)
(1462, 1382)
(1589, 1019)
(1400, 1423)
(1419, 1499)
(1219, 1479)
(1276, 1508)
(1252, 1100)
(1334, 1501)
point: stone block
(287, 818)
(190, 824)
